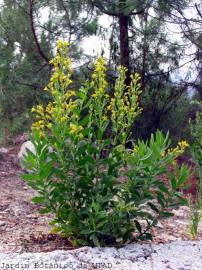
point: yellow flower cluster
(99, 82)
(39, 125)
(70, 93)
(124, 106)
(62, 70)
(40, 114)
(163, 154)
(50, 109)
(99, 97)
(62, 45)
(76, 130)
(177, 151)
(62, 50)
(61, 110)
(135, 149)
(180, 148)
(39, 109)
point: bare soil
(23, 229)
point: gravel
(181, 255)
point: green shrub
(196, 146)
(196, 151)
(100, 192)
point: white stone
(3, 150)
(159, 225)
(177, 255)
(28, 145)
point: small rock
(3, 150)
(159, 225)
(31, 216)
(181, 212)
(2, 223)
(28, 145)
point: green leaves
(152, 184)
(38, 199)
(179, 177)
(166, 214)
(91, 205)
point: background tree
(141, 39)
(191, 27)
(27, 39)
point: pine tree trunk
(124, 41)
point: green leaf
(30, 177)
(173, 183)
(45, 210)
(182, 200)
(146, 236)
(183, 175)
(146, 157)
(167, 214)
(38, 199)
(161, 199)
(163, 188)
(153, 207)
(138, 226)
(155, 222)
(84, 121)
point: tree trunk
(124, 41)
(199, 88)
(144, 50)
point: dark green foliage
(24, 71)
(93, 205)
(196, 131)
(196, 151)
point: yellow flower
(99, 82)
(61, 109)
(38, 125)
(183, 144)
(75, 129)
(104, 118)
(179, 149)
(70, 93)
(61, 44)
(49, 125)
(135, 149)
(163, 154)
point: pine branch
(31, 15)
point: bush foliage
(196, 151)
(196, 147)
(100, 192)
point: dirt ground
(23, 229)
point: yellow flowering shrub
(81, 159)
